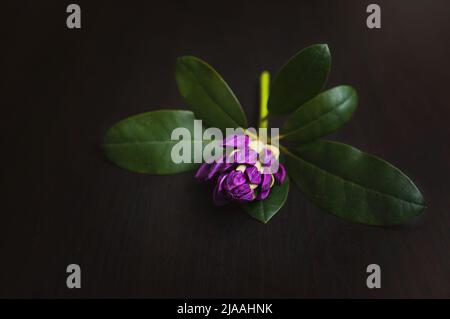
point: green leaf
(208, 94)
(143, 144)
(322, 115)
(264, 210)
(354, 185)
(300, 79)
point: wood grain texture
(160, 236)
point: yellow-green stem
(264, 81)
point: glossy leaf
(143, 144)
(208, 94)
(322, 115)
(300, 79)
(354, 185)
(264, 210)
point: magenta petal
(227, 166)
(236, 141)
(214, 169)
(234, 179)
(248, 197)
(242, 192)
(245, 156)
(220, 181)
(265, 182)
(202, 172)
(218, 196)
(253, 175)
(263, 194)
(280, 175)
(267, 158)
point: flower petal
(242, 192)
(253, 175)
(280, 175)
(263, 194)
(203, 171)
(214, 168)
(234, 179)
(275, 150)
(245, 156)
(267, 158)
(257, 145)
(265, 182)
(218, 197)
(236, 141)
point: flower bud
(241, 173)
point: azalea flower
(243, 174)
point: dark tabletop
(137, 235)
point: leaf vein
(354, 183)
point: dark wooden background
(160, 236)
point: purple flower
(242, 174)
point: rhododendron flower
(244, 173)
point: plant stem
(264, 82)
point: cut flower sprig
(338, 178)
